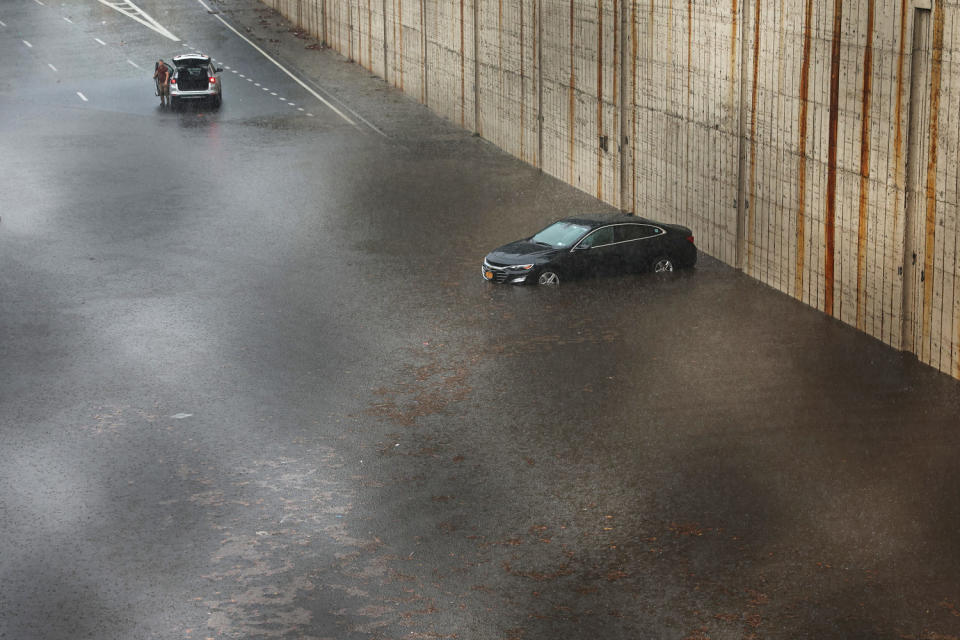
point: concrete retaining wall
(811, 143)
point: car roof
(594, 220)
(184, 57)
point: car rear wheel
(549, 278)
(216, 101)
(174, 103)
(664, 264)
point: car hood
(520, 252)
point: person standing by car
(162, 76)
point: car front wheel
(663, 264)
(549, 278)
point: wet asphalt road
(253, 386)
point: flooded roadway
(253, 385)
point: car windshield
(560, 234)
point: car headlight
(521, 267)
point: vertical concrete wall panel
(813, 143)
(450, 33)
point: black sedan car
(592, 245)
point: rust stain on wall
(898, 117)
(864, 165)
(634, 49)
(802, 160)
(689, 44)
(423, 52)
(500, 62)
(399, 21)
(570, 112)
(535, 28)
(898, 160)
(616, 86)
(599, 98)
(463, 72)
(734, 14)
(831, 213)
(523, 90)
(936, 70)
(752, 204)
(369, 36)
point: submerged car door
(640, 243)
(597, 253)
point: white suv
(193, 77)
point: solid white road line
(280, 66)
(29, 46)
(52, 67)
(82, 97)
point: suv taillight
(213, 80)
(173, 81)
(690, 239)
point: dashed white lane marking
(241, 75)
(233, 70)
(82, 97)
(29, 46)
(39, 3)
(52, 67)
(273, 93)
(132, 11)
(300, 109)
(291, 104)
(133, 64)
(100, 41)
(279, 66)
(256, 84)
(181, 416)
(68, 19)
(249, 79)
(226, 67)
(2, 23)
(310, 115)
(265, 89)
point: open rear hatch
(192, 76)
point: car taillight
(690, 239)
(213, 80)
(173, 81)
